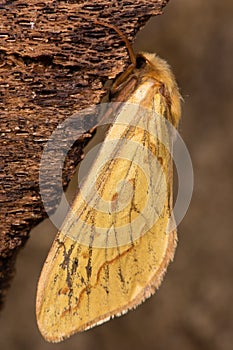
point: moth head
(157, 68)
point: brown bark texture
(54, 60)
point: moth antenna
(124, 38)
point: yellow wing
(113, 249)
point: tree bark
(54, 60)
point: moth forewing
(101, 264)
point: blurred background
(193, 307)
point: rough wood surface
(54, 61)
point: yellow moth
(114, 247)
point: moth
(113, 248)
